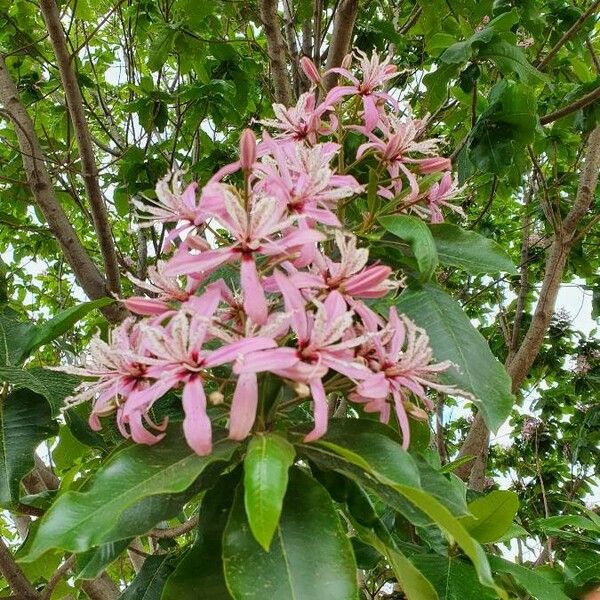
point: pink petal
(139, 433)
(196, 424)
(206, 304)
(267, 360)
(255, 303)
(184, 263)
(237, 349)
(294, 303)
(402, 419)
(146, 306)
(243, 406)
(321, 410)
(367, 281)
(371, 112)
(375, 386)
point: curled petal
(243, 406)
(196, 424)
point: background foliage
(511, 88)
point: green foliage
(171, 84)
(453, 337)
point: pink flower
(177, 357)
(319, 347)
(120, 373)
(253, 233)
(165, 289)
(374, 74)
(302, 180)
(300, 122)
(396, 149)
(350, 277)
(440, 194)
(401, 363)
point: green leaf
(13, 336)
(417, 234)
(90, 564)
(449, 490)
(453, 337)
(53, 385)
(149, 582)
(413, 583)
(437, 85)
(402, 477)
(24, 422)
(492, 515)
(554, 525)
(469, 251)
(265, 480)
(453, 579)
(202, 567)
(79, 520)
(460, 52)
(582, 567)
(536, 585)
(310, 557)
(510, 59)
(376, 454)
(61, 323)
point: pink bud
(247, 149)
(146, 306)
(435, 164)
(347, 61)
(310, 69)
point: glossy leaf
(453, 337)
(52, 385)
(61, 323)
(13, 336)
(79, 520)
(266, 467)
(452, 578)
(149, 582)
(24, 422)
(582, 567)
(201, 568)
(296, 566)
(402, 477)
(536, 585)
(90, 564)
(414, 584)
(469, 251)
(492, 515)
(415, 232)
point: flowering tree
(251, 415)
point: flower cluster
(296, 302)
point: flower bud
(247, 150)
(310, 69)
(347, 61)
(435, 164)
(216, 398)
(302, 390)
(415, 411)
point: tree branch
(276, 51)
(568, 35)
(571, 108)
(89, 171)
(38, 179)
(343, 26)
(477, 440)
(16, 579)
(175, 531)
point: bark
(477, 440)
(102, 588)
(89, 171)
(276, 51)
(343, 26)
(16, 579)
(38, 179)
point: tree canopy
(462, 160)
